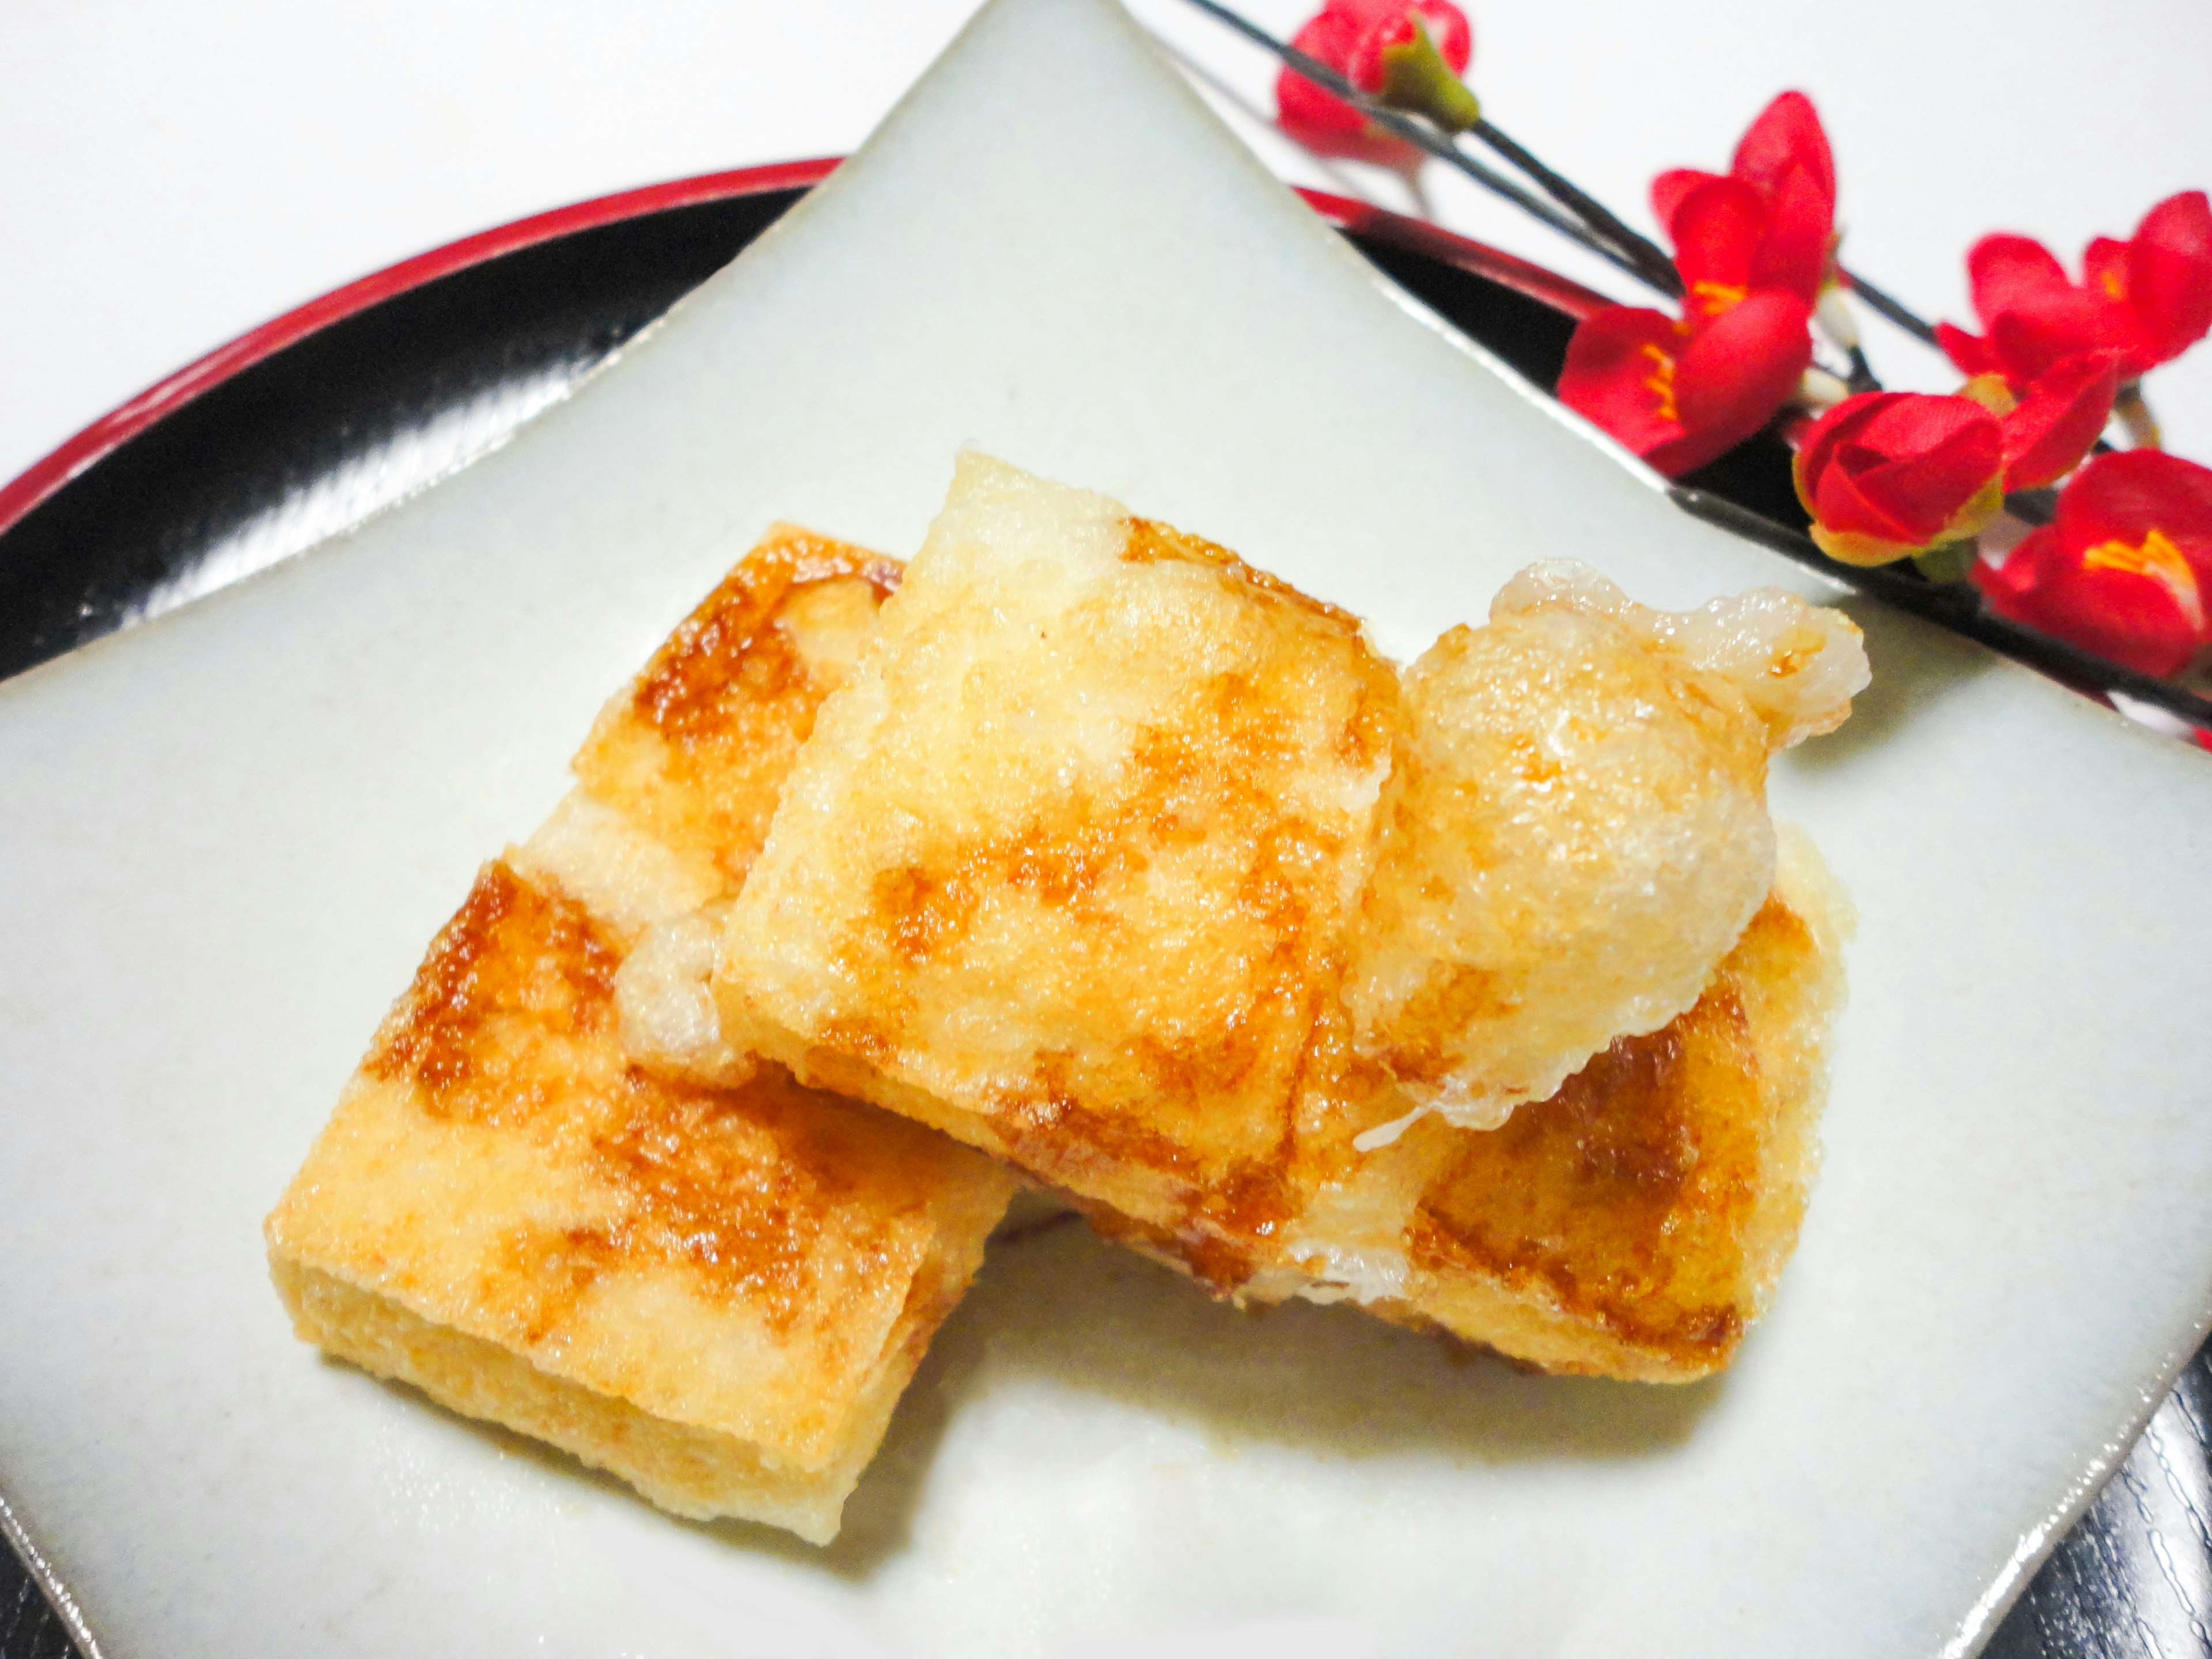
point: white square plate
(225, 838)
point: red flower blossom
(1679, 396)
(2057, 419)
(1752, 248)
(2125, 569)
(1887, 474)
(2147, 299)
(1770, 221)
(1352, 37)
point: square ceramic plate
(225, 837)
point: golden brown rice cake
(1635, 1224)
(715, 1290)
(1076, 866)
(1066, 869)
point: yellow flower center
(2159, 560)
(2113, 286)
(1660, 383)
(1714, 298)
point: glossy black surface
(339, 426)
(28, 1629)
(313, 438)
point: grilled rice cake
(1634, 1223)
(1065, 868)
(1577, 828)
(716, 1292)
(1073, 867)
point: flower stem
(1587, 221)
(1428, 139)
(2135, 415)
(1651, 260)
(1955, 606)
(1918, 327)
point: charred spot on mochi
(1150, 542)
(921, 912)
(1049, 1129)
(737, 1189)
(1451, 997)
(730, 650)
(1221, 1267)
(509, 1026)
(697, 749)
(515, 965)
(1248, 1206)
(1625, 1197)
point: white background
(171, 175)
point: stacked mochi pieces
(1483, 994)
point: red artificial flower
(1770, 221)
(2058, 419)
(1679, 396)
(2147, 299)
(1352, 37)
(1887, 474)
(2125, 569)
(1752, 248)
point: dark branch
(1889, 307)
(1428, 139)
(1652, 263)
(1956, 606)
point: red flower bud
(1887, 474)
(1405, 63)
(2146, 299)
(1769, 223)
(1680, 396)
(2125, 568)
(1351, 37)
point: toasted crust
(716, 1292)
(694, 749)
(497, 1166)
(1634, 1223)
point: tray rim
(86, 448)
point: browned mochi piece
(1576, 830)
(1066, 867)
(715, 1293)
(1072, 868)
(1634, 1223)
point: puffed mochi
(1066, 865)
(1128, 863)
